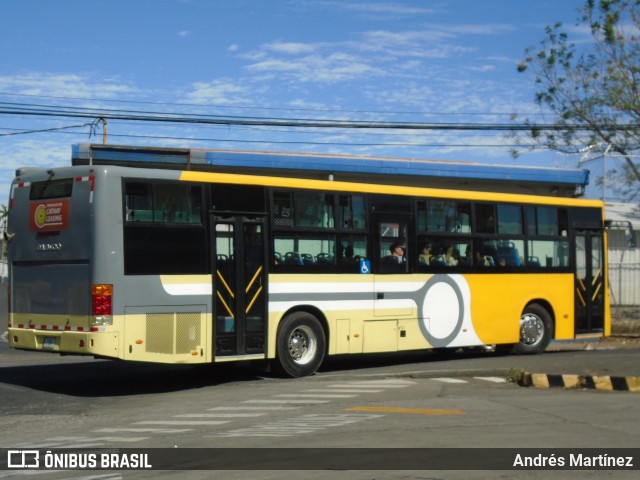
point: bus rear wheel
(536, 329)
(300, 345)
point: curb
(594, 382)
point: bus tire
(536, 330)
(300, 344)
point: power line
(53, 129)
(184, 118)
(255, 107)
(294, 142)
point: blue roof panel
(331, 164)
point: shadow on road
(106, 378)
(97, 378)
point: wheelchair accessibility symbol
(365, 266)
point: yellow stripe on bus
(337, 186)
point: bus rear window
(51, 189)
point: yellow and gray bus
(184, 266)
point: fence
(624, 265)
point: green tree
(591, 89)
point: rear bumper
(96, 343)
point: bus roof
(405, 171)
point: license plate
(49, 343)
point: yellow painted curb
(594, 382)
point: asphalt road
(452, 401)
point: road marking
(283, 401)
(142, 430)
(82, 445)
(369, 385)
(179, 422)
(297, 426)
(492, 379)
(249, 408)
(219, 415)
(79, 442)
(312, 395)
(449, 380)
(415, 411)
(345, 390)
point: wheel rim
(531, 329)
(302, 345)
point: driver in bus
(398, 251)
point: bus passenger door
(590, 287)
(239, 286)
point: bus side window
(138, 202)
(392, 247)
(485, 218)
(449, 252)
(304, 252)
(351, 250)
(162, 203)
(351, 212)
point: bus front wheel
(536, 330)
(300, 345)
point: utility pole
(104, 130)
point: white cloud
(29, 153)
(374, 53)
(63, 85)
(473, 28)
(319, 68)
(218, 92)
(403, 38)
(385, 9)
(292, 48)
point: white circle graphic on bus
(446, 314)
(442, 306)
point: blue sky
(448, 61)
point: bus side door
(239, 285)
(590, 287)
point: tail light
(101, 304)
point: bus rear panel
(68, 290)
(52, 241)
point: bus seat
(325, 259)
(307, 259)
(533, 261)
(439, 261)
(389, 264)
(292, 258)
(509, 253)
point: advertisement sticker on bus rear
(51, 215)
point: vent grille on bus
(173, 333)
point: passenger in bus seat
(484, 260)
(425, 256)
(452, 256)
